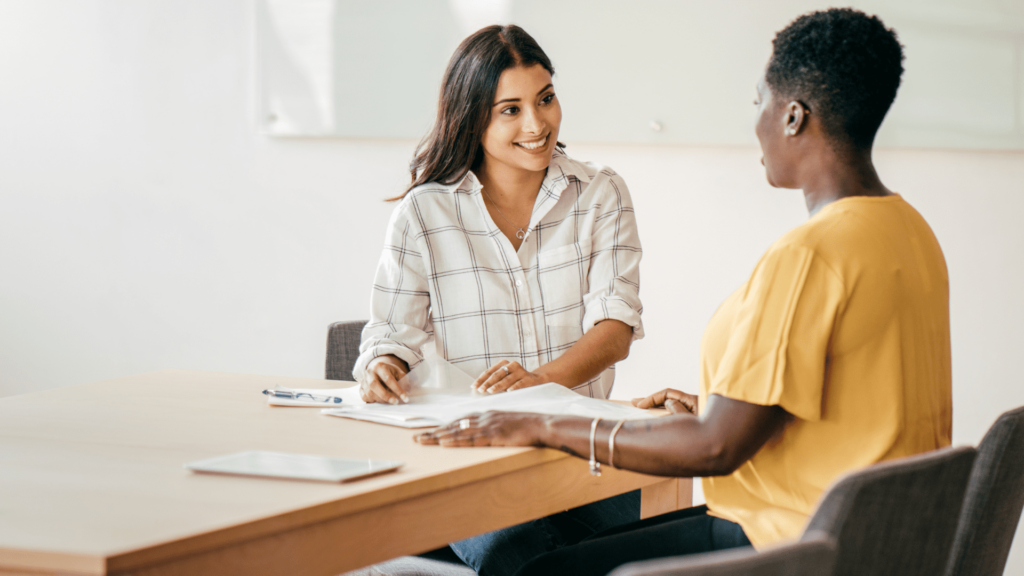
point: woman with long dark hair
(514, 262)
(834, 355)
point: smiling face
(525, 118)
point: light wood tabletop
(92, 482)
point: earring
(790, 132)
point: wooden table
(91, 482)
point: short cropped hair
(844, 65)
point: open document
(440, 393)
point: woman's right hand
(381, 383)
(674, 401)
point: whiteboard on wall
(643, 72)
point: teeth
(533, 145)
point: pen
(302, 396)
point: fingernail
(405, 397)
(393, 401)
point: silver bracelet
(611, 443)
(595, 466)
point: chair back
(992, 506)
(896, 517)
(343, 340)
(812, 556)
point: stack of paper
(440, 393)
(429, 410)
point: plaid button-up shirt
(448, 274)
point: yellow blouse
(844, 324)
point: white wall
(145, 225)
(619, 70)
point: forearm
(728, 433)
(679, 445)
(603, 345)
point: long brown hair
(453, 145)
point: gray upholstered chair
(992, 506)
(343, 348)
(897, 517)
(812, 556)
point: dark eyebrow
(517, 99)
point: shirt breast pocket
(562, 273)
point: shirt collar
(560, 171)
(468, 183)
(562, 166)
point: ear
(796, 117)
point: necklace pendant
(520, 234)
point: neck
(509, 186)
(838, 175)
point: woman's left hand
(507, 376)
(675, 401)
(488, 429)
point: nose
(533, 123)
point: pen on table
(302, 396)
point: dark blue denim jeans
(502, 552)
(688, 531)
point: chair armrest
(813, 556)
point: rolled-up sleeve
(400, 301)
(614, 275)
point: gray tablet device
(292, 466)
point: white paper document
(440, 393)
(435, 375)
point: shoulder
(595, 179)
(859, 224)
(814, 241)
(858, 235)
(432, 193)
(433, 203)
(583, 170)
(810, 235)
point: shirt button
(519, 282)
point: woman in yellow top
(834, 355)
